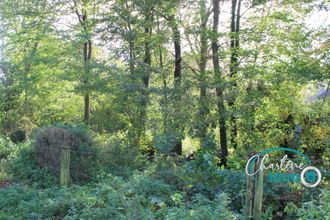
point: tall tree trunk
(177, 81)
(146, 72)
(165, 93)
(134, 130)
(219, 87)
(233, 57)
(87, 53)
(87, 58)
(165, 89)
(238, 25)
(203, 110)
(234, 46)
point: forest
(165, 109)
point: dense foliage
(161, 104)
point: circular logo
(310, 177)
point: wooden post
(258, 194)
(65, 166)
(250, 194)
(254, 194)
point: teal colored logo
(295, 168)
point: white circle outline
(307, 169)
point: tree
(82, 10)
(147, 11)
(234, 50)
(177, 79)
(219, 84)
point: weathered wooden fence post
(65, 166)
(254, 193)
(258, 194)
(249, 194)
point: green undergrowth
(165, 188)
(114, 198)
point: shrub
(118, 158)
(6, 149)
(316, 209)
(18, 136)
(22, 167)
(48, 143)
(37, 163)
(201, 174)
(203, 208)
(84, 164)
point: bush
(203, 208)
(18, 136)
(37, 163)
(118, 158)
(84, 164)
(6, 147)
(316, 209)
(48, 144)
(22, 167)
(201, 176)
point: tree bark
(165, 88)
(203, 110)
(219, 89)
(233, 54)
(87, 58)
(234, 46)
(146, 72)
(87, 53)
(177, 81)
